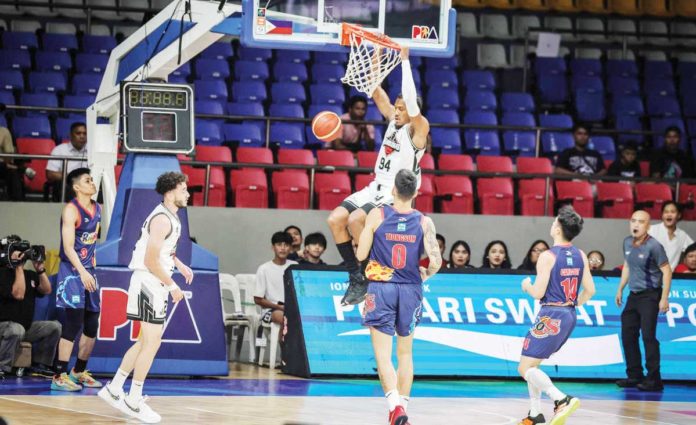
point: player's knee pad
(91, 324)
(74, 318)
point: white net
(369, 63)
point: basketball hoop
(372, 57)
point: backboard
(427, 27)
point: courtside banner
(474, 324)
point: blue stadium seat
(627, 105)
(659, 87)
(91, 63)
(19, 40)
(244, 134)
(208, 133)
(254, 54)
(482, 142)
(583, 82)
(250, 71)
(519, 143)
(622, 68)
(213, 69)
(287, 136)
(335, 58)
(327, 73)
(80, 101)
(441, 78)
(102, 44)
(45, 99)
(604, 145)
(373, 114)
(292, 56)
(52, 42)
(3, 120)
(36, 126)
(689, 104)
(184, 71)
(450, 63)
(394, 79)
(63, 125)
(210, 107)
(553, 142)
(327, 93)
(659, 125)
(288, 110)
(481, 80)
(556, 121)
(622, 86)
(288, 93)
(15, 59)
(657, 70)
(662, 106)
(686, 70)
(211, 90)
(447, 140)
(443, 116)
(85, 83)
(586, 67)
(442, 98)
(480, 100)
(629, 123)
(53, 61)
(337, 109)
(517, 102)
(249, 91)
(218, 50)
(589, 105)
(11, 80)
(550, 66)
(553, 89)
(7, 98)
(254, 109)
(480, 118)
(290, 72)
(524, 119)
(52, 82)
(311, 141)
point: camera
(11, 244)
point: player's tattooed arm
(432, 248)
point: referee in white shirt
(674, 240)
(76, 148)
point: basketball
(327, 126)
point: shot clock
(157, 117)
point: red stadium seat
(687, 197)
(427, 162)
(336, 159)
(367, 159)
(291, 190)
(250, 188)
(651, 196)
(496, 196)
(254, 155)
(37, 147)
(534, 165)
(616, 199)
(426, 192)
(494, 164)
(196, 184)
(455, 163)
(331, 189)
(456, 194)
(213, 153)
(362, 180)
(532, 193)
(579, 194)
(296, 157)
(644, 168)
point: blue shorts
(391, 307)
(71, 293)
(551, 330)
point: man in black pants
(649, 276)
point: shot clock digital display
(157, 117)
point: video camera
(13, 243)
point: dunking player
(76, 294)
(394, 237)
(403, 147)
(561, 271)
(153, 262)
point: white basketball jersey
(168, 251)
(396, 153)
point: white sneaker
(114, 397)
(141, 411)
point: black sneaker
(357, 289)
(38, 369)
(650, 386)
(536, 420)
(628, 382)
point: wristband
(41, 272)
(172, 287)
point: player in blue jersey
(394, 239)
(561, 272)
(76, 293)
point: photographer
(18, 290)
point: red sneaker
(398, 416)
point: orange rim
(376, 38)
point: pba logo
(546, 326)
(424, 33)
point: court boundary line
(627, 417)
(120, 418)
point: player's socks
(135, 393)
(80, 365)
(348, 255)
(404, 401)
(542, 381)
(61, 368)
(393, 399)
(119, 379)
(534, 399)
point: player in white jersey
(153, 263)
(403, 147)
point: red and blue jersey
(86, 234)
(396, 248)
(566, 275)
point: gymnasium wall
(241, 237)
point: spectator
(314, 247)
(296, 246)
(689, 264)
(580, 160)
(18, 290)
(533, 254)
(627, 165)
(11, 171)
(356, 136)
(269, 293)
(425, 262)
(76, 148)
(595, 259)
(460, 256)
(670, 162)
(673, 239)
(495, 256)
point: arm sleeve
(408, 89)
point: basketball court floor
(259, 396)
